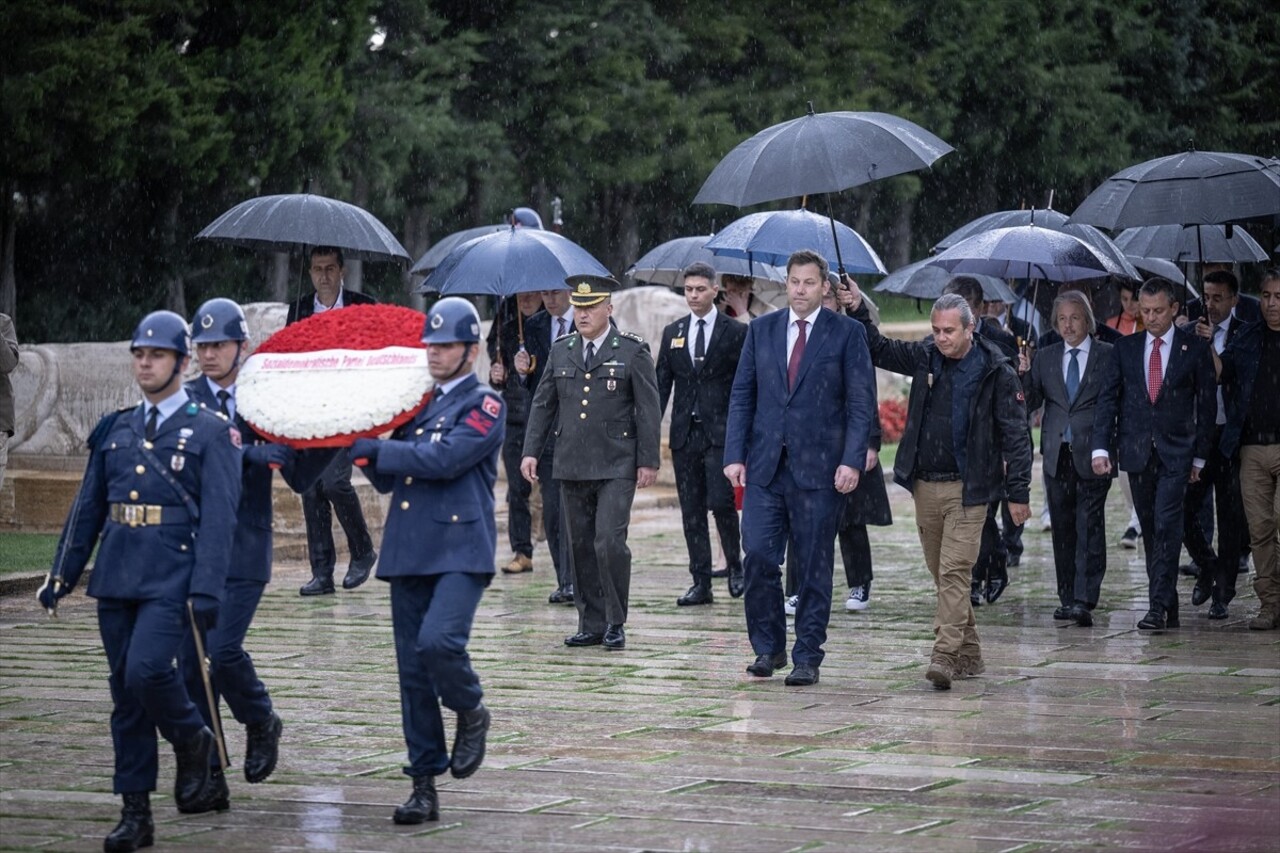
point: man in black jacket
(334, 487)
(966, 444)
(698, 357)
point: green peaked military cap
(586, 290)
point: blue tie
(1073, 386)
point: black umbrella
(820, 153)
(924, 280)
(1191, 188)
(1002, 219)
(440, 249)
(282, 223)
(665, 264)
(1184, 243)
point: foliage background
(130, 125)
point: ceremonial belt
(142, 515)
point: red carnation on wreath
(893, 421)
(337, 376)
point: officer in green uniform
(599, 394)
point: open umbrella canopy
(1191, 188)
(1192, 243)
(1025, 252)
(516, 260)
(1163, 269)
(772, 236)
(665, 264)
(1002, 219)
(820, 153)
(440, 249)
(926, 281)
(281, 223)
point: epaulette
(105, 424)
(633, 337)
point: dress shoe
(358, 570)
(318, 585)
(423, 804)
(1015, 560)
(519, 563)
(193, 782)
(584, 638)
(262, 748)
(562, 595)
(1062, 613)
(801, 675)
(1217, 610)
(135, 829)
(975, 593)
(615, 638)
(737, 583)
(1081, 615)
(995, 588)
(1243, 567)
(1191, 570)
(939, 674)
(1268, 619)
(696, 594)
(720, 573)
(764, 665)
(1200, 592)
(968, 667)
(1153, 621)
(468, 741)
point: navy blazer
(824, 422)
(440, 469)
(251, 550)
(190, 550)
(708, 388)
(1179, 424)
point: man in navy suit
(697, 359)
(221, 337)
(799, 419)
(1159, 398)
(1067, 377)
(438, 551)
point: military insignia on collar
(491, 406)
(177, 462)
(192, 408)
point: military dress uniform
(606, 416)
(438, 553)
(166, 512)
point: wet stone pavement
(1095, 738)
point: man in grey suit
(1066, 377)
(599, 393)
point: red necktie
(1154, 377)
(797, 353)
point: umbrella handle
(835, 240)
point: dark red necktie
(797, 354)
(1155, 375)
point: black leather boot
(193, 782)
(422, 805)
(262, 748)
(468, 742)
(135, 829)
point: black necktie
(700, 345)
(151, 422)
(560, 330)
(223, 395)
(591, 352)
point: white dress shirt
(710, 323)
(793, 330)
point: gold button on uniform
(419, 431)
(182, 547)
(133, 496)
(584, 402)
(141, 469)
(587, 375)
(586, 389)
(147, 445)
(408, 480)
(404, 504)
(453, 518)
(583, 416)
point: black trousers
(1159, 493)
(1079, 539)
(1221, 474)
(334, 488)
(553, 517)
(519, 519)
(702, 486)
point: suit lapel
(813, 345)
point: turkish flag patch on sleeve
(491, 406)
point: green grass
(24, 553)
(901, 309)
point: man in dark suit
(1067, 378)
(799, 420)
(600, 396)
(698, 357)
(1158, 397)
(543, 330)
(1219, 482)
(334, 488)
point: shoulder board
(105, 424)
(633, 337)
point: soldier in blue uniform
(221, 336)
(160, 489)
(438, 550)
